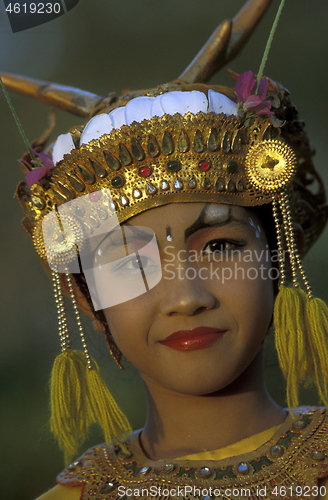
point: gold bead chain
(62, 319)
(282, 278)
(291, 245)
(295, 250)
(78, 320)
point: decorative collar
(293, 459)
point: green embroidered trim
(134, 467)
(221, 473)
(190, 472)
(258, 464)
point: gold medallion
(57, 239)
(270, 165)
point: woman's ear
(99, 326)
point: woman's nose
(184, 291)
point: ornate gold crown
(203, 157)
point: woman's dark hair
(265, 215)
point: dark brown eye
(217, 246)
(221, 246)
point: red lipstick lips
(192, 340)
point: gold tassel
(301, 321)
(292, 339)
(71, 412)
(317, 319)
(79, 396)
(102, 406)
(112, 420)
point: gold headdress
(238, 158)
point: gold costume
(287, 461)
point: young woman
(162, 200)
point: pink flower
(38, 173)
(249, 102)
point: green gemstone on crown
(118, 181)
(173, 166)
(232, 166)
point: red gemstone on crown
(95, 196)
(144, 171)
(204, 165)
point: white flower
(145, 108)
(220, 103)
(118, 117)
(96, 127)
(180, 102)
(63, 145)
(138, 109)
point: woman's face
(203, 323)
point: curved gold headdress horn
(76, 101)
(225, 42)
(223, 45)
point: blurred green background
(101, 46)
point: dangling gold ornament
(270, 165)
(57, 238)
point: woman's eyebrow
(117, 237)
(217, 221)
(137, 231)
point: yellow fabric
(60, 492)
(244, 446)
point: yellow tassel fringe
(290, 337)
(112, 420)
(70, 412)
(301, 335)
(317, 317)
(79, 397)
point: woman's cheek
(258, 293)
(245, 285)
(128, 323)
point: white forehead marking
(216, 211)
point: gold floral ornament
(58, 238)
(270, 166)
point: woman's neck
(179, 424)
